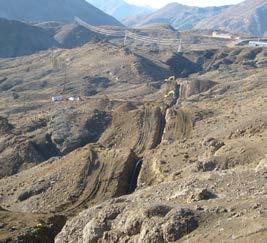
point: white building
(72, 98)
(257, 44)
(216, 34)
(57, 98)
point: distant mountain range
(249, 17)
(180, 16)
(54, 10)
(120, 9)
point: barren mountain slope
(191, 148)
(181, 17)
(205, 181)
(19, 38)
(119, 8)
(85, 177)
(54, 10)
(249, 16)
(28, 83)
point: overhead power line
(128, 34)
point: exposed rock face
(125, 221)
(213, 144)
(84, 177)
(201, 194)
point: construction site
(145, 134)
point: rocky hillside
(162, 147)
(54, 10)
(249, 16)
(119, 8)
(181, 17)
(18, 38)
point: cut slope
(86, 176)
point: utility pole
(180, 46)
(125, 38)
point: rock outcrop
(126, 221)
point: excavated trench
(135, 175)
(131, 177)
(139, 160)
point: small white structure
(72, 98)
(216, 34)
(257, 44)
(57, 98)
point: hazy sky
(202, 3)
